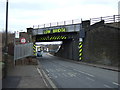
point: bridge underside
(56, 37)
(69, 47)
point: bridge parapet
(68, 22)
(57, 29)
(107, 19)
(71, 25)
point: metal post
(38, 26)
(101, 18)
(57, 23)
(6, 41)
(6, 25)
(64, 22)
(44, 25)
(90, 21)
(81, 20)
(114, 17)
(14, 49)
(72, 21)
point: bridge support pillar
(69, 49)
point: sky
(26, 13)
(119, 7)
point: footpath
(26, 77)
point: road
(66, 74)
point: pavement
(33, 76)
(103, 66)
(26, 76)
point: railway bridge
(71, 35)
(85, 41)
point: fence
(107, 19)
(23, 50)
(76, 21)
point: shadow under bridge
(69, 47)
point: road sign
(16, 34)
(80, 39)
(23, 40)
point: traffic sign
(23, 40)
(80, 39)
(17, 34)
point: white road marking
(71, 74)
(42, 77)
(87, 73)
(51, 83)
(64, 75)
(107, 86)
(55, 76)
(49, 54)
(47, 70)
(84, 73)
(90, 79)
(116, 83)
(75, 69)
(58, 69)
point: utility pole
(6, 41)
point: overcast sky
(26, 13)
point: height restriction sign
(23, 40)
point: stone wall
(102, 45)
(69, 49)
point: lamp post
(6, 41)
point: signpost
(23, 40)
(16, 34)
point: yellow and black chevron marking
(34, 49)
(80, 50)
(52, 38)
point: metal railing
(107, 19)
(68, 22)
(23, 50)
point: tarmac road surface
(67, 74)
